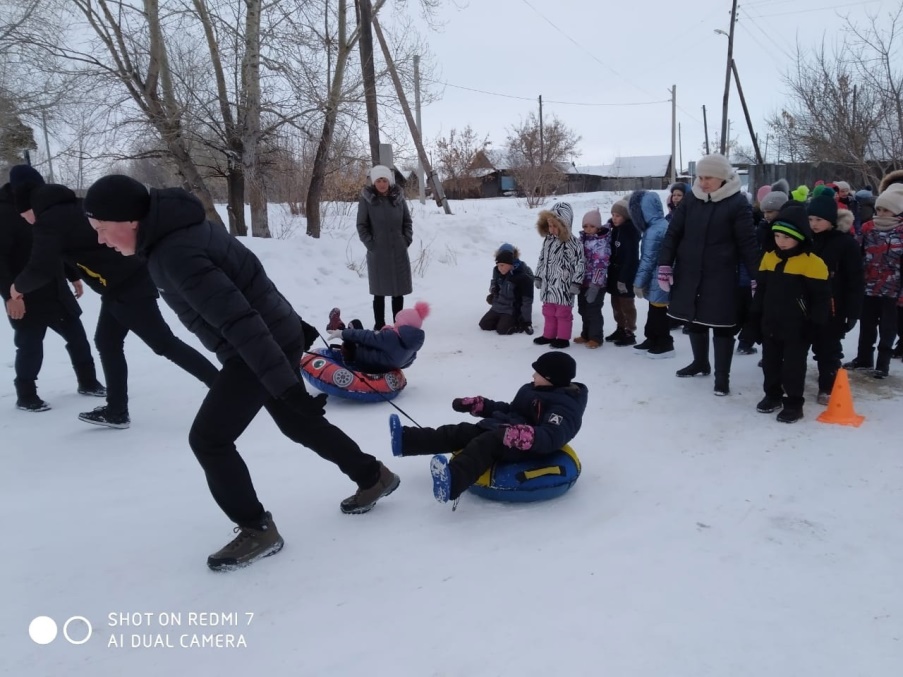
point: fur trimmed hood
(645, 208)
(562, 214)
(845, 220)
(893, 177)
(506, 247)
(731, 187)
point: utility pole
(412, 125)
(705, 125)
(368, 72)
(542, 143)
(727, 77)
(47, 147)
(752, 134)
(673, 132)
(728, 153)
(680, 146)
(421, 188)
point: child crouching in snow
(392, 347)
(544, 415)
(510, 294)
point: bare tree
(536, 155)
(846, 102)
(454, 158)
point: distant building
(649, 172)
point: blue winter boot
(441, 478)
(396, 432)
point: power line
(585, 50)
(819, 9)
(533, 98)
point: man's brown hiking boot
(251, 544)
(364, 499)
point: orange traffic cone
(840, 406)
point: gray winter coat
(384, 226)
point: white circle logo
(42, 630)
(87, 635)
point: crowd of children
(830, 259)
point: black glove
(850, 323)
(301, 402)
(490, 299)
(310, 334)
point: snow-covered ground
(702, 538)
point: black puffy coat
(47, 303)
(625, 257)
(219, 289)
(705, 243)
(842, 256)
(62, 233)
(556, 414)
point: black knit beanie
(117, 198)
(824, 207)
(559, 369)
(23, 180)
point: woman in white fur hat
(385, 227)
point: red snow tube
(325, 370)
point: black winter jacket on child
(512, 294)
(556, 414)
(625, 256)
(793, 298)
(842, 256)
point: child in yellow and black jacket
(792, 302)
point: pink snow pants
(559, 321)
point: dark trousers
(658, 327)
(141, 316)
(28, 338)
(480, 448)
(878, 321)
(502, 323)
(828, 353)
(591, 314)
(725, 332)
(379, 309)
(784, 369)
(231, 404)
(744, 304)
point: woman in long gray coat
(384, 226)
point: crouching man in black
(221, 292)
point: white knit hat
(382, 172)
(714, 165)
(891, 199)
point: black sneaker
(746, 350)
(881, 373)
(645, 345)
(790, 415)
(363, 500)
(769, 404)
(660, 352)
(858, 364)
(92, 389)
(251, 544)
(31, 403)
(627, 339)
(615, 335)
(542, 341)
(103, 416)
(694, 369)
(559, 343)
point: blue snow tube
(325, 370)
(533, 479)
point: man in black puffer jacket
(221, 292)
(128, 295)
(52, 306)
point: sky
(622, 53)
(702, 539)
